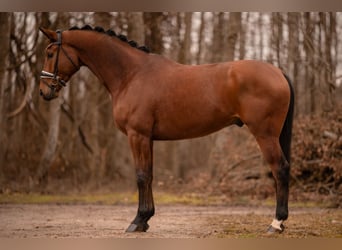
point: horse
(155, 98)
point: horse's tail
(286, 132)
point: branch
(252, 157)
(331, 135)
(84, 140)
(65, 107)
(231, 167)
(19, 109)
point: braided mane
(112, 33)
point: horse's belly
(188, 127)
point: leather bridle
(56, 80)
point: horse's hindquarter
(263, 95)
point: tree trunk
(261, 37)
(293, 55)
(201, 40)
(217, 47)
(136, 27)
(328, 23)
(234, 29)
(242, 34)
(50, 150)
(310, 87)
(153, 33)
(184, 53)
(4, 51)
(277, 36)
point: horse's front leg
(142, 149)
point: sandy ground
(170, 221)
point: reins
(56, 80)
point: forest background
(70, 145)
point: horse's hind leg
(274, 156)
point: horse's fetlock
(146, 213)
(282, 213)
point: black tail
(286, 132)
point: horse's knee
(143, 178)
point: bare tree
(50, 149)
(310, 53)
(4, 45)
(293, 54)
(201, 40)
(242, 34)
(153, 33)
(218, 44)
(234, 29)
(184, 52)
(136, 27)
(261, 36)
(328, 41)
(277, 36)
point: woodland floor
(239, 203)
(170, 221)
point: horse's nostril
(41, 92)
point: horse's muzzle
(51, 95)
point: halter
(56, 80)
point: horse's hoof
(272, 230)
(137, 228)
(276, 227)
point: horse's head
(61, 62)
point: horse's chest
(120, 118)
(133, 118)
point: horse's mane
(112, 33)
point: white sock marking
(276, 224)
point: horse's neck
(109, 59)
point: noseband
(56, 80)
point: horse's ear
(52, 35)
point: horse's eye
(49, 55)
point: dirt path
(179, 221)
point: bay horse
(155, 98)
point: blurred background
(70, 145)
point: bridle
(56, 80)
